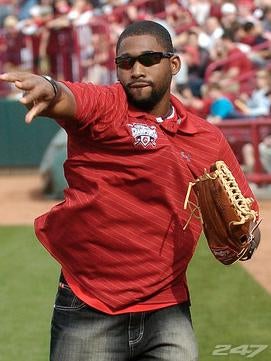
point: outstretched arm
(41, 97)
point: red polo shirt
(119, 232)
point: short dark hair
(147, 27)
(248, 26)
(228, 34)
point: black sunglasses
(148, 58)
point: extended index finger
(22, 80)
(13, 76)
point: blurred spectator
(33, 27)
(264, 152)
(266, 21)
(109, 5)
(13, 53)
(221, 106)
(13, 46)
(264, 148)
(24, 8)
(62, 36)
(229, 16)
(200, 9)
(258, 103)
(96, 4)
(196, 59)
(210, 32)
(193, 104)
(100, 67)
(177, 18)
(7, 7)
(250, 33)
(51, 166)
(258, 46)
(57, 44)
(215, 9)
(81, 12)
(74, 39)
(234, 63)
(246, 11)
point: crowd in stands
(225, 46)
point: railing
(249, 131)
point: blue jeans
(81, 333)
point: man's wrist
(52, 82)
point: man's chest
(146, 145)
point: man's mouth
(138, 84)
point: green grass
(228, 307)
(27, 286)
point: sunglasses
(148, 58)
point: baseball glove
(228, 221)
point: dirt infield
(260, 266)
(21, 199)
(21, 202)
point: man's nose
(138, 70)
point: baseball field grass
(231, 312)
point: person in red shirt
(231, 63)
(238, 61)
(120, 233)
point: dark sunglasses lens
(150, 59)
(147, 59)
(125, 63)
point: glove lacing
(239, 202)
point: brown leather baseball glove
(228, 221)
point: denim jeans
(82, 333)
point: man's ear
(175, 64)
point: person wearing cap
(229, 16)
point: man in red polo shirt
(119, 234)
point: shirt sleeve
(96, 103)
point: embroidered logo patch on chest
(143, 134)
